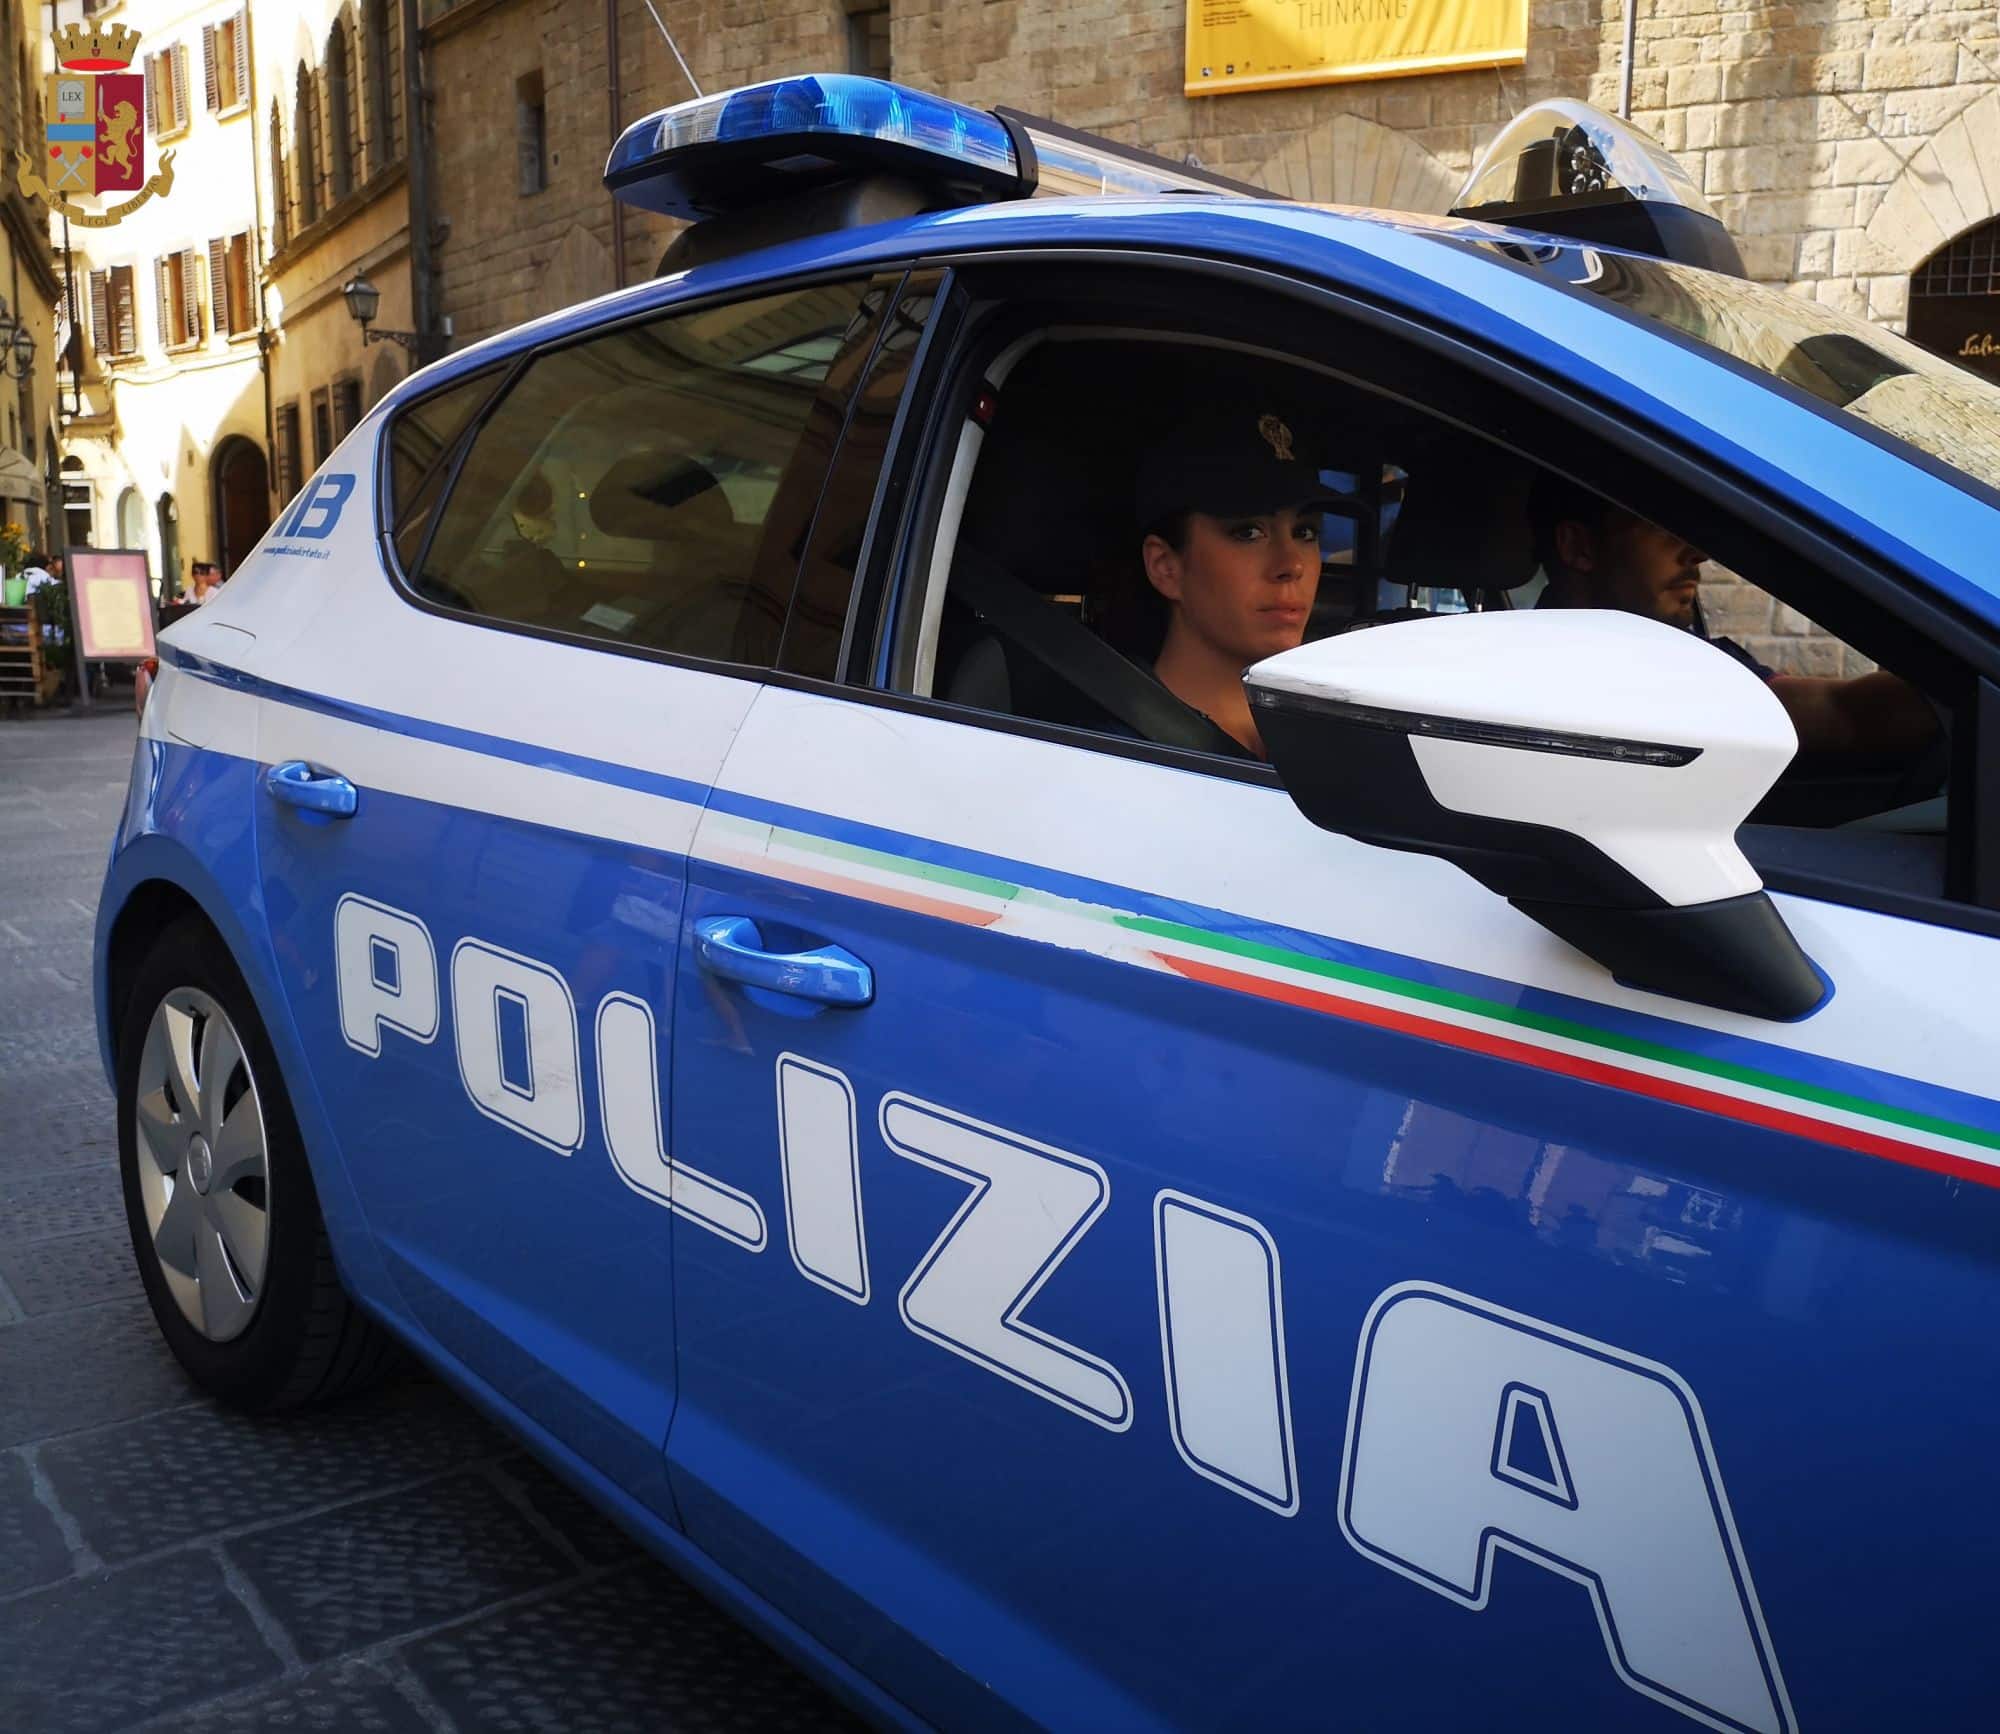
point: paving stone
(42, 1137)
(32, 1550)
(341, 1698)
(232, 1470)
(71, 1201)
(79, 1270)
(594, 1536)
(111, 1649)
(629, 1653)
(84, 1368)
(347, 1578)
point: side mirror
(1591, 767)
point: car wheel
(225, 1222)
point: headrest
(1464, 523)
(659, 497)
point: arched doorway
(1955, 300)
(242, 500)
(131, 520)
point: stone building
(333, 173)
(30, 292)
(165, 439)
(1852, 146)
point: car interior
(1036, 606)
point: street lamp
(363, 299)
(17, 345)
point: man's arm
(1879, 712)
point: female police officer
(1231, 524)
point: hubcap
(204, 1173)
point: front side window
(1116, 575)
(620, 489)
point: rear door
(1218, 1274)
(596, 558)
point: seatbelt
(1077, 656)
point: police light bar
(722, 155)
(1569, 169)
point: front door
(1219, 1274)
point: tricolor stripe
(1381, 1000)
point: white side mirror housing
(1590, 766)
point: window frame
(890, 276)
(1615, 447)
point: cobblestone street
(389, 1564)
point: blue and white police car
(675, 884)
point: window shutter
(210, 82)
(165, 305)
(191, 295)
(100, 312)
(153, 93)
(179, 61)
(240, 39)
(124, 310)
(221, 314)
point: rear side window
(621, 488)
(420, 445)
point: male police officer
(1597, 555)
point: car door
(486, 772)
(1219, 1274)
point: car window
(420, 442)
(620, 489)
(1040, 609)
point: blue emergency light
(723, 155)
(720, 154)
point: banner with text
(1270, 44)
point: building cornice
(377, 187)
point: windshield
(1859, 368)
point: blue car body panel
(1060, 1523)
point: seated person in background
(1598, 555)
(1230, 512)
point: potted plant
(13, 561)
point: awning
(18, 480)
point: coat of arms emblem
(96, 141)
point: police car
(661, 887)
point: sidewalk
(388, 1564)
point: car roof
(1449, 272)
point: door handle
(730, 946)
(297, 784)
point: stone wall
(507, 255)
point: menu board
(1237, 45)
(113, 604)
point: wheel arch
(155, 881)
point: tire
(228, 1237)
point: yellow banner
(1271, 44)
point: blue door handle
(297, 784)
(730, 946)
